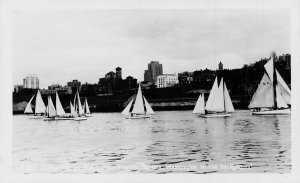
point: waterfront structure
(166, 80)
(113, 81)
(74, 85)
(118, 73)
(18, 88)
(202, 76)
(185, 77)
(154, 69)
(220, 66)
(31, 82)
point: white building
(31, 81)
(166, 80)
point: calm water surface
(169, 142)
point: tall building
(154, 69)
(119, 73)
(31, 81)
(220, 66)
(166, 80)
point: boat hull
(88, 115)
(48, 119)
(137, 117)
(80, 118)
(36, 117)
(214, 115)
(272, 112)
(64, 118)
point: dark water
(169, 142)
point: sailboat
(60, 112)
(218, 104)
(86, 108)
(273, 96)
(50, 111)
(78, 108)
(39, 108)
(140, 108)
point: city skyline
(84, 45)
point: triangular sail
(210, 101)
(28, 109)
(285, 90)
(59, 109)
(39, 104)
(138, 107)
(269, 67)
(148, 107)
(127, 108)
(80, 109)
(51, 109)
(264, 95)
(72, 109)
(86, 107)
(199, 107)
(227, 99)
(280, 100)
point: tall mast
(223, 95)
(274, 81)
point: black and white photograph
(149, 91)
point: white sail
(86, 107)
(80, 109)
(51, 109)
(148, 107)
(59, 109)
(285, 90)
(199, 107)
(28, 109)
(269, 66)
(227, 100)
(211, 98)
(138, 107)
(280, 100)
(39, 104)
(127, 108)
(264, 95)
(72, 109)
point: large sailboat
(218, 104)
(273, 96)
(139, 109)
(39, 108)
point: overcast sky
(61, 45)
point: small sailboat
(273, 96)
(50, 111)
(60, 112)
(39, 108)
(78, 108)
(86, 108)
(218, 104)
(140, 108)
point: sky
(61, 45)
